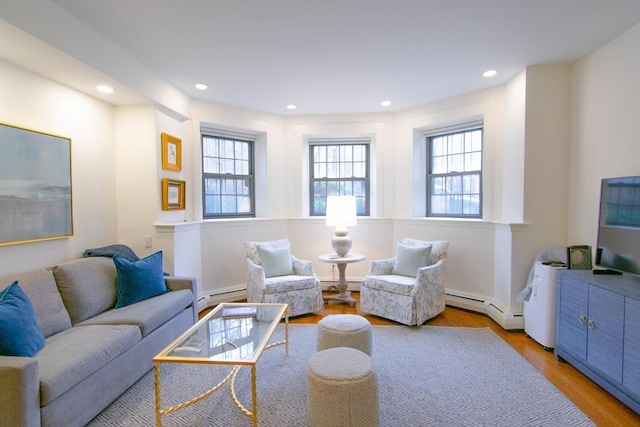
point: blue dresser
(598, 330)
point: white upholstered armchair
(408, 288)
(276, 276)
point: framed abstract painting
(35, 186)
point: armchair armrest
(431, 276)
(381, 266)
(302, 267)
(179, 283)
(20, 390)
(255, 273)
(256, 282)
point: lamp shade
(341, 211)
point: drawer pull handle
(582, 319)
(591, 324)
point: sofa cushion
(40, 287)
(19, 331)
(148, 314)
(140, 279)
(87, 286)
(72, 355)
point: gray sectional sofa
(93, 352)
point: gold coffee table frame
(199, 345)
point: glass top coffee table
(231, 334)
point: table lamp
(341, 213)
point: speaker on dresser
(579, 257)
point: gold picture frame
(171, 153)
(35, 175)
(173, 194)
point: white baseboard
(506, 319)
(352, 285)
(209, 300)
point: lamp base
(341, 242)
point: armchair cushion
(251, 248)
(410, 258)
(276, 260)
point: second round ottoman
(342, 389)
(344, 330)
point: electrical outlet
(147, 241)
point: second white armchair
(408, 288)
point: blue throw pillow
(20, 334)
(140, 279)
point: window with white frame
(338, 168)
(454, 178)
(227, 176)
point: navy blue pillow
(20, 334)
(140, 279)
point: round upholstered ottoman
(344, 330)
(342, 389)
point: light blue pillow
(276, 261)
(19, 331)
(139, 280)
(410, 258)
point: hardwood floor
(603, 409)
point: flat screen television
(618, 245)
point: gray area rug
(428, 376)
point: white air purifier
(540, 310)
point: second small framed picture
(173, 194)
(171, 153)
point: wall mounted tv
(618, 248)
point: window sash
(339, 167)
(227, 176)
(454, 177)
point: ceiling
(323, 56)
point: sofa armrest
(180, 283)
(20, 390)
(381, 266)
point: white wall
(137, 182)
(605, 129)
(31, 101)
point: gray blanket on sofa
(111, 251)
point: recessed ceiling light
(291, 107)
(385, 103)
(489, 73)
(201, 86)
(104, 89)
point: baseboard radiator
(215, 298)
(505, 319)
